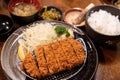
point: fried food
(51, 60)
(42, 63)
(30, 65)
(55, 57)
(70, 54)
(60, 57)
(78, 48)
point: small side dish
(70, 16)
(76, 16)
(114, 2)
(50, 13)
(117, 3)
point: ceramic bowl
(6, 26)
(50, 13)
(98, 37)
(71, 15)
(20, 14)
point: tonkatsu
(30, 66)
(42, 63)
(54, 57)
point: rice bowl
(104, 22)
(107, 34)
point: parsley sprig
(60, 30)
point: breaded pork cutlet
(42, 63)
(54, 57)
(75, 58)
(68, 51)
(51, 60)
(30, 65)
(78, 48)
(60, 57)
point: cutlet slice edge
(76, 57)
(42, 62)
(30, 65)
(57, 51)
(50, 58)
(63, 47)
(79, 50)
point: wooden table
(109, 60)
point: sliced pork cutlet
(60, 57)
(30, 65)
(68, 51)
(42, 63)
(51, 60)
(79, 50)
(75, 57)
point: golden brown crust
(54, 57)
(42, 63)
(78, 48)
(51, 60)
(60, 57)
(68, 51)
(30, 65)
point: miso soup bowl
(99, 38)
(22, 20)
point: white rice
(104, 22)
(40, 34)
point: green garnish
(61, 30)
(67, 34)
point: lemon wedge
(21, 52)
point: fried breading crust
(51, 60)
(54, 57)
(42, 63)
(30, 65)
(78, 48)
(70, 54)
(59, 55)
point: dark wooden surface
(109, 60)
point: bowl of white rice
(103, 25)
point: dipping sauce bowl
(71, 15)
(76, 16)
